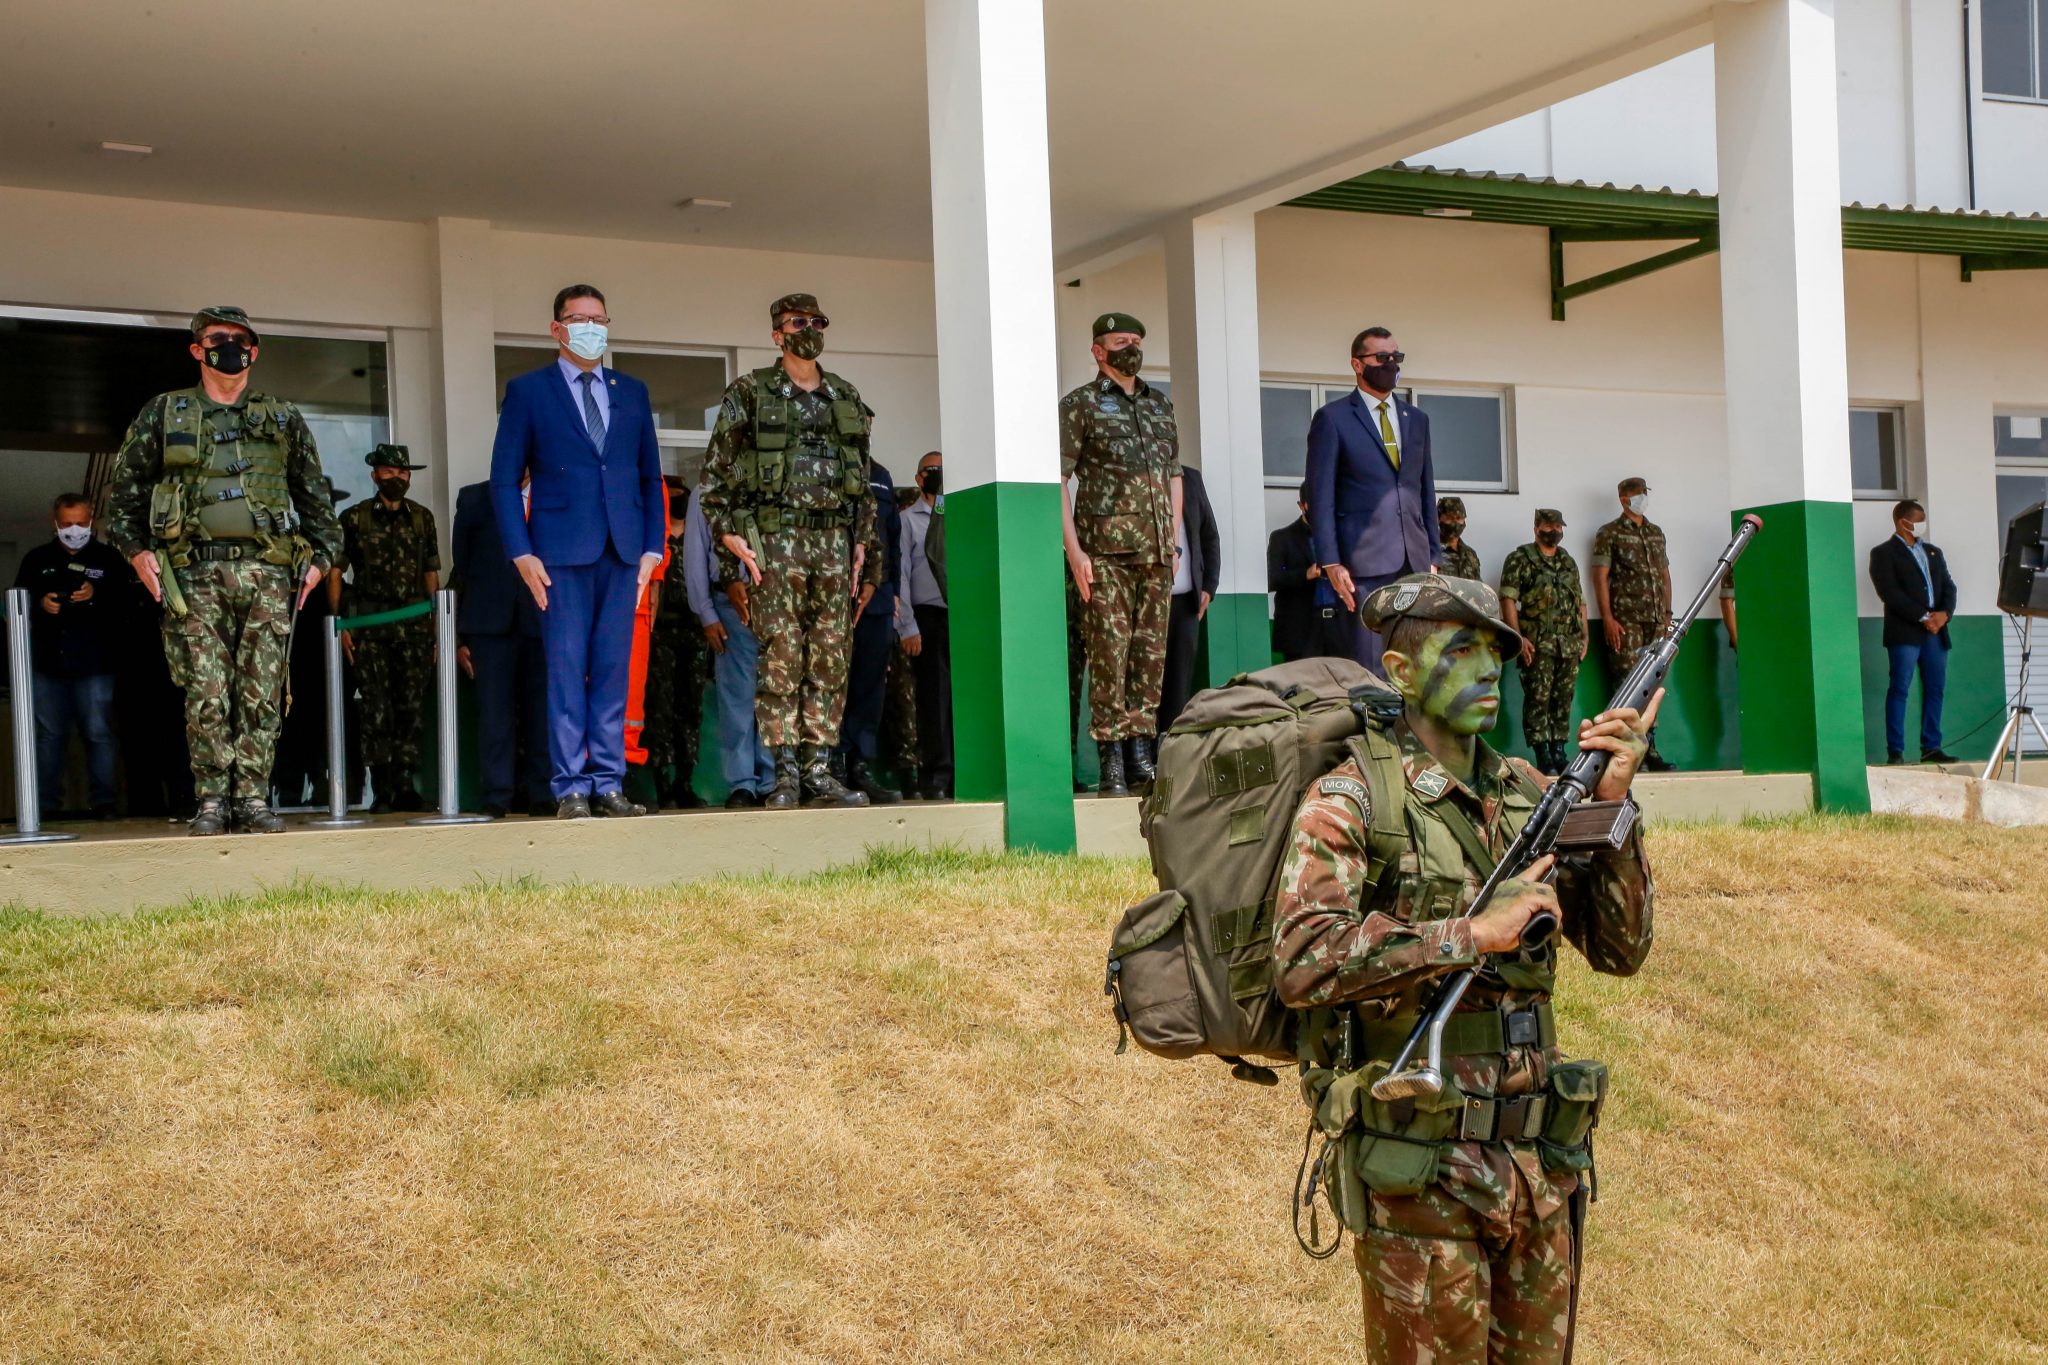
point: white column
(1212, 299)
(464, 335)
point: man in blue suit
(497, 627)
(1371, 490)
(584, 435)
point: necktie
(1387, 435)
(593, 420)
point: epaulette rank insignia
(1432, 784)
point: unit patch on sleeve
(1351, 789)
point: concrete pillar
(998, 411)
(1212, 291)
(464, 335)
(1788, 392)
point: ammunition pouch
(1577, 1093)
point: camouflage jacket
(725, 500)
(1545, 589)
(139, 468)
(1126, 451)
(1636, 563)
(1462, 562)
(389, 551)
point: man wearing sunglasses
(787, 494)
(1371, 487)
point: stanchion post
(337, 740)
(28, 811)
(450, 812)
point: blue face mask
(588, 339)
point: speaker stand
(2019, 714)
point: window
(683, 387)
(2015, 47)
(1468, 431)
(1877, 452)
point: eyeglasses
(796, 323)
(601, 320)
(1382, 357)
(219, 338)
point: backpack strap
(1386, 780)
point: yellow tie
(1387, 435)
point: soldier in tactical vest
(218, 502)
(1460, 560)
(393, 558)
(786, 492)
(1540, 596)
(1117, 436)
(1467, 1211)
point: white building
(395, 193)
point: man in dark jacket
(874, 631)
(1308, 620)
(1911, 577)
(498, 627)
(72, 581)
(1197, 570)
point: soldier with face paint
(1468, 1213)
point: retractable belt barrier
(28, 810)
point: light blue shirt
(700, 560)
(601, 386)
(1918, 549)
(917, 586)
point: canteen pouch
(1148, 982)
(1578, 1092)
(1388, 1149)
(167, 512)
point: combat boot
(211, 817)
(1110, 753)
(821, 790)
(787, 792)
(910, 778)
(863, 777)
(253, 815)
(1139, 768)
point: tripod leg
(2008, 736)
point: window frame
(1324, 390)
(2037, 11)
(1900, 437)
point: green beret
(1549, 514)
(1437, 597)
(794, 303)
(1450, 507)
(222, 312)
(1117, 322)
(392, 457)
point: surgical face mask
(393, 488)
(808, 344)
(932, 480)
(1920, 529)
(74, 537)
(1639, 503)
(1550, 538)
(229, 355)
(1126, 360)
(587, 340)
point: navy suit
(1375, 520)
(874, 631)
(496, 619)
(596, 511)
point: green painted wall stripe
(1005, 584)
(1237, 637)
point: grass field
(875, 1116)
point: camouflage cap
(1545, 515)
(1117, 322)
(391, 457)
(1631, 485)
(794, 303)
(1450, 507)
(1438, 597)
(223, 312)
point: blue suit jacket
(1362, 513)
(582, 496)
(491, 598)
(888, 525)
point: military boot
(211, 817)
(821, 790)
(1110, 754)
(862, 776)
(1138, 767)
(787, 793)
(253, 815)
(910, 777)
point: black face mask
(1448, 531)
(229, 357)
(1126, 361)
(1381, 378)
(393, 489)
(932, 480)
(1550, 538)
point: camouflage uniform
(1125, 449)
(1461, 560)
(899, 715)
(389, 551)
(802, 609)
(229, 649)
(1635, 561)
(1549, 600)
(678, 670)
(1466, 1249)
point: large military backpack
(1191, 968)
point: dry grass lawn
(875, 1116)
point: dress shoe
(1138, 765)
(910, 779)
(821, 790)
(863, 778)
(210, 818)
(253, 815)
(739, 798)
(685, 797)
(1110, 754)
(787, 793)
(615, 805)
(496, 811)
(573, 807)
(1894, 759)
(1938, 756)
(938, 791)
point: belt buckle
(1327, 612)
(1522, 1028)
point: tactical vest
(798, 476)
(225, 477)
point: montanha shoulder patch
(1350, 788)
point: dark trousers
(867, 684)
(1930, 659)
(1183, 635)
(1366, 643)
(86, 705)
(511, 717)
(935, 698)
(1329, 636)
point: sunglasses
(1382, 357)
(804, 324)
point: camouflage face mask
(808, 344)
(1454, 678)
(1126, 361)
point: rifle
(1599, 824)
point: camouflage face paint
(1454, 679)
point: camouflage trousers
(1635, 635)
(1547, 686)
(899, 715)
(230, 652)
(1124, 624)
(678, 670)
(803, 615)
(394, 677)
(1446, 1285)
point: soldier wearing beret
(1117, 438)
(787, 494)
(1632, 581)
(1460, 560)
(1540, 596)
(1467, 1212)
(217, 500)
(393, 557)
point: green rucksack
(1191, 968)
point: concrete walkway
(1960, 795)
